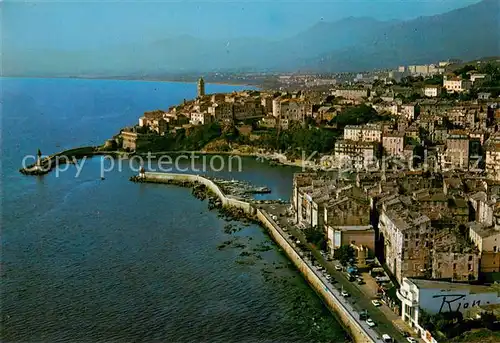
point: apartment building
(406, 237)
(363, 133)
(492, 148)
(456, 154)
(355, 155)
(393, 144)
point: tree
(464, 70)
(356, 115)
(344, 254)
(489, 320)
(316, 236)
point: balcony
(407, 297)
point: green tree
(356, 115)
(464, 70)
(316, 236)
(344, 254)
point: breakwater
(189, 179)
(48, 163)
(333, 301)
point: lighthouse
(142, 172)
(39, 159)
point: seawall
(226, 200)
(346, 317)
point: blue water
(91, 260)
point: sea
(91, 259)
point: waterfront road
(348, 306)
(357, 301)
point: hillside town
(408, 176)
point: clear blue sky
(76, 25)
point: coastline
(257, 86)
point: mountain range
(350, 44)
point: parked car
(386, 338)
(411, 339)
(361, 282)
(370, 322)
(338, 267)
(344, 294)
(363, 315)
(376, 303)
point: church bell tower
(201, 87)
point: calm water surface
(91, 260)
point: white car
(376, 303)
(411, 339)
(344, 294)
(370, 322)
(338, 267)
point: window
(454, 266)
(470, 258)
(495, 248)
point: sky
(81, 25)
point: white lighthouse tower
(142, 172)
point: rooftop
(482, 230)
(449, 286)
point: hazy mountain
(347, 45)
(466, 33)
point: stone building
(347, 221)
(222, 112)
(405, 235)
(455, 266)
(352, 94)
(493, 159)
(456, 155)
(201, 118)
(134, 141)
(393, 144)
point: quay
(340, 307)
